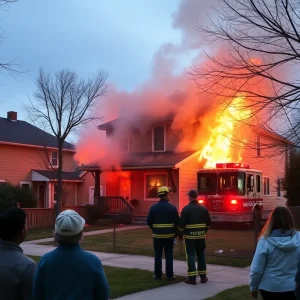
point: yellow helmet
(163, 190)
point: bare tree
(61, 103)
(260, 59)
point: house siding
(272, 167)
(137, 190)
(187, 179)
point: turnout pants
(193, 248)
(278, 296)
(167, 245)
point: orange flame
(219, 146)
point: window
(266, 186)
(2, 182)
(25, 185)
(258, 146)
(54, 159)
(159, 138)
(258, 183)
(124, 143)
(279, 185)
(153, 182)
(231, 183)
(55, 193)
(207, 183)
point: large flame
(219, 146)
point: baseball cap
(69, 223)
(193, 194)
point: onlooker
(16, 269)
(193, 226)
(163, 220)
(274, 266)
(68, 272)
(297, 279)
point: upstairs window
(124, 143)
(267, 186)
(54, 159)
(159, 138)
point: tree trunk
(59, 177)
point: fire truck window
(258, 183)
(250, 183)
(153, 182)
(231, 183)
(207, 183)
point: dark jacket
(163, 219)
(68, 272)
(16, 272)
(194, 221)
(298, 283)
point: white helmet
(69, 223)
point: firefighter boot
(191, 281)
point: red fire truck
(231, 192)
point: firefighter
(163, 220)
(193, 225)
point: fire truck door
(250, 186)
(258, 186)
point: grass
(241, 292)
(237, 245)
(47, 232)
(128, 281)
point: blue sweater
(70, 273)
(274, 265)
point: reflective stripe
(202, 272)
(163, 225)
(194, 237)
(163, 236)
(195, 226)
(192, 273)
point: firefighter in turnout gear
(193, 225)
(163, 220)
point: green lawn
(238, 293)
(47, 232)
(237, 245)
(127, 281)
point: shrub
(10, 195)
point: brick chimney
(12, 115)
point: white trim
(165, 138)
(145, 184)
(2, 180)
(35, 146)
(91, 198)
(178, 165)
(26, 182)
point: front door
(125, 187)
(41, 196)
(91, 194)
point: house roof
(52, 175)
(21, 132)
(146, 160)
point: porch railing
(39, 217)
(114, 204)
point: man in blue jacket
(68, 272)
(163, 219)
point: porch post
(97, 184)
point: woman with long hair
(274, 265)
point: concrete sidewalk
(220, 277)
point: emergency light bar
(232, 165)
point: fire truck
(231, 192)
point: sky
(118, 36)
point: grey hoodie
(274, 265)
(16, 272)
